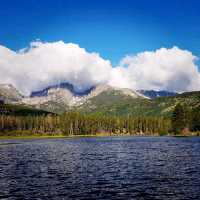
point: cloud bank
(164, 69)
(44, 64)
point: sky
(119, 31)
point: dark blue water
(101, 168)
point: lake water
(101, 168)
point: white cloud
(164, 69)
(44, 64)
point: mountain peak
(123, 91)
(66, 96)
(57, 87)
(8, 93)
(63, 96)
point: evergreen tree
(195, 119)
(179, 119)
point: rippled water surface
(100, 168)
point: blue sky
(112, 28)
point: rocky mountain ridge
(67, 98)
(9, 94)
(63, 97)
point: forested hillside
(118, 115)
(110, 105)
(73, 123)
(18, 110)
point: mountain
(60, 98)
(11, 100)
(66, 86)
(152, 94)
(107, 104)
(9, 94)
(102, 99)
(63, 97)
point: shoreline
(79, 136)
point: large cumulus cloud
(164, 69)
(44, 64)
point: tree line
(74, 123)
(183, 120)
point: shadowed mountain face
(66, 86)
(152, 94)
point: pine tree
(179, 119)
(195, 119)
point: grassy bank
(30, 135)
(55, 136)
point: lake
(101, 168)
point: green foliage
(185, 118)
(74, 123)
(178, 119)
(37, 124)
(111, 115)
(195, 119)
(8, 109)
(117, 105)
